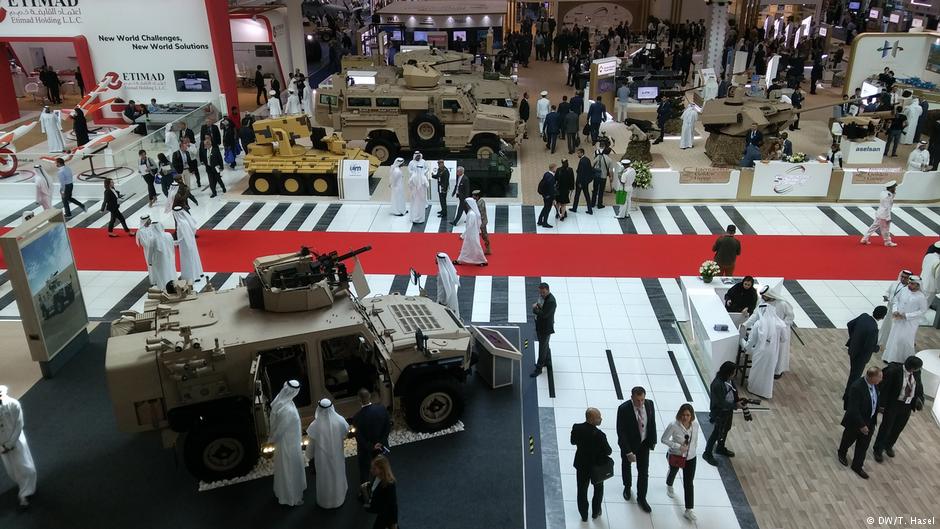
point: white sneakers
(689, 515)
(670, 492)
(889, 244)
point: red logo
(3, 14)
(113, 81)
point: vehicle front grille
(412, 317)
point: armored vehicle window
(451, 104)
(326, 99)
(359, 101)
(386, 102)
(347, 365)
(282, 364)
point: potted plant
(644, 178)
(797, 157)
(708, 270)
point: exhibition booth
(442, 24)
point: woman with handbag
(681, 437)
(383, 499)
(592, 461)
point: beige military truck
(203, 368)
(416, 112)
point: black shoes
(710, 459)
(593, 516)
(844, 460)
(889, 451)
(879, 456)
(861, 472)
(725, 451)
(537, 372)
(644, 505)
(626, 494)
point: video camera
(745, 410)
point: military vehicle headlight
(267, 450)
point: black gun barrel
(352, 253)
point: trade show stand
(714, 329)
(862, 152)
(868, 183)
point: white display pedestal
(354, 180)
(862, 152)
(930, 373)
(808, 179)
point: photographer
(724, 400)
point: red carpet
(798, 257)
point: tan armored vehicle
(416, 112)
(446, 61)
(203, 368)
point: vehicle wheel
(427, 131)
(216, 452)
(263, 184)
(485, 148)
(434, 405)
(293, 184)
(383, 150)
(8, 163)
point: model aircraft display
(91, 147)
(8, 160)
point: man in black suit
(863, 341)
(544, 310)
(187, 132)
(636, 435)
(901, 393)
(259, 84)
(443, 184)
(724, 399)
(212, 130)
(753, 137)
(462, 192)
(861, 415)
(373, 425)
(183, 160)
(584, 175)
(592, 448)
(552, 129)
(211, 158)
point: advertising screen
(647, 92)
(855, 5)
(420, 36)
(874, 13)
(53, 284)
(894, 18)
(192, 81)
(933, 60)
(460, 35)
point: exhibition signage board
(704, 175)
(44, 278)
(904, 53)
(880, 175)
(354, 180)
(810, 179)
(862, 152)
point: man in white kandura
(290, 476)
(890, 299)
(472, 251)
(882, 222)
(190, 262)
(418, 184)
(293, 102)
(51, 124)
(447, 283)
(930, 273)
(327, 433)
(274, 105)
(396, 180)
(625, 180)
(542, 108)
(307, 100)
(14, 451)
(689, 117)
(919, 159)
(764, 342)
(43, 187)
(158, 252)
(912, 112)
(906, 314)
(785, 312)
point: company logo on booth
(888, 48)
(113, 80)
(59, 12)
(136, 80)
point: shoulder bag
(676, 460)
(602, 471)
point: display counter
(712, 183)
(868, 183)
(808, 179)
(862, 152)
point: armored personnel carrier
(277, 165)
(57, 294)
(202, 369)
(416, 112)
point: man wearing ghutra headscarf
(447, 283)
(906, 311)
(327, 434)
(397, 184)
(158, 252)
(290, 478)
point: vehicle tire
(293, 184)
(427, 130)
(263, 184)
(213, 452)
(434, 405)
(485, 148)
(384, 150)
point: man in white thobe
(51, 124)
(882, 222)
(785, 312)
(689, 117)
(626, 179)
(930, 273)
(327, 434)
(765, 342)
(396, 179)
(472, 251)
(43, 188)
(14, 451)
(171, 140)
(190, 262)
(919, 159)
(542, 108)
(890, 298)
(906, 314)
(447, 283)
(290, 477)
(912, 112)
(293, 102)
(158, 252)
(274, 105)
(307, 100)
(418, 183)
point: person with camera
(724, 400)
(902, 392)
(861, 416)
(372, 426)
(592, 450)
(636, 435)
(681, 436)
(382, 494)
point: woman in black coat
(384, 498)
(229, 141)
(742, 296)
(110, 204)
(564, 178)
(80, 127)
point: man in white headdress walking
(930, 273)
(43, 188)
(327, 434)
(447, 283)
(158, 252)
(784, 311)
(882, 222)
(907, 310)
(50, 122)
(418, 184)
(396, 178)
(171, 140)
(190, 262)
(689, 117)
(14, 451)
(890, 298)
(912, 112)
(472, 251)
(290, 478)
(293, 102)
(274, 105)
(765, 341)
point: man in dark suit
(187, 132)
(901, 393)
(443, 184)
(753, 137)
(723, 400)
(544, 310)
(597, 114)
(259, 84)
(211, 158)
(524, 112)
(584, 176)
(592, 448)
(462, 192)
(787, 145)
(636, 435)
(861, 416)
(373, 425)
(548, 189)
(212, 130)
(863, 341)
(552, 129)
(183, 160)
